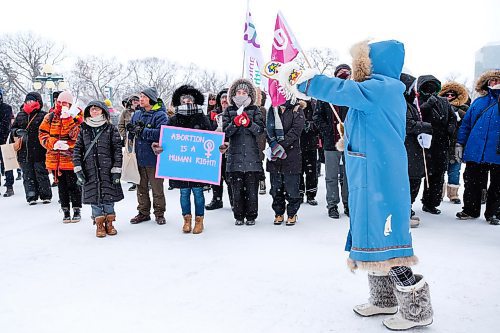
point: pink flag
(285, 49)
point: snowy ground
(149, 278)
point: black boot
(214, 204)
(432, 210)
(333, 212)
(76, 215)
(10, 192)
(67, 215)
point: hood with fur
(482, 82)
(199, 99)
(251, 91)
(218, 97)
(384, 58)
(462, 94)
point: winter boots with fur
(382, 299)
(105, 226)
(108, 224)
(415, 309)
(453, 193)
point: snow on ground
(59, 277)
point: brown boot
(291, 220)
(453, 193)
(110, 230)
(187, 223)
(198, 224)
(99, 222)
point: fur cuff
(340, 144)
(116, 170)
(381, 266)
(77, 169)
(291, 90)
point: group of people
(378, 131)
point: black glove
(81, 180)
(432, 101)
(116, 178)
(139, 126)
(130, 127)
(21, 132)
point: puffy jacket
(105, 155)
(327, 123)
(480, 133)
(53, 129)
(153, 120)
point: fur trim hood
(199, 99)
(251, 91)
(384, 58)
(462, 94)
(482, 82)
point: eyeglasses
(450, 95)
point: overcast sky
(440, 37)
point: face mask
(242, 101)
(343, 76)
(30, 107)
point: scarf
(188, 109)
(96, 121)
(242, 101)
(274, 126)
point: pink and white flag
(253, 60)
(285, 49)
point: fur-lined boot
(382, 299)
(415, 309)
(198, 224)
(110, 229)
(99, 222)
(188, 219)
(453, 193)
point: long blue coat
(376, 159)
(481, 135)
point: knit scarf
(96, 121)
(188, 109)
(274, 126)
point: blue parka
(376, 159)
(153, 120)
(480, 134)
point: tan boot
(453, 193)
(187, 223)
(99, 222)
(291, 220)
(278, 219)
(110, 229)
(198, 224)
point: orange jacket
(53, 129)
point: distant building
(488, 57)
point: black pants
(285, 187)
(69, 191)
(36, 181)
(245, 188)
(309, 168)
(414, 188)
(433, 194)
(475, 179)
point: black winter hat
(34, 96)
(340, 67)
(99, 104)
(152, 94)
(55, 94)
(186, 89)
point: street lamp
(50, 81)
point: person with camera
(144, 128)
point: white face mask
(64, 109)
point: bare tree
(22, 56)
(206, 81)
(325, 60)
(92, 78)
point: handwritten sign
(189, 154)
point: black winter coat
(309, 139)
(197, 121)
(460, 110)
(438, 112)
(5, 120)
(415, 126)
(293, 122)
(106, 154)
(31, 150)
(327, 123)
(243, 153)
